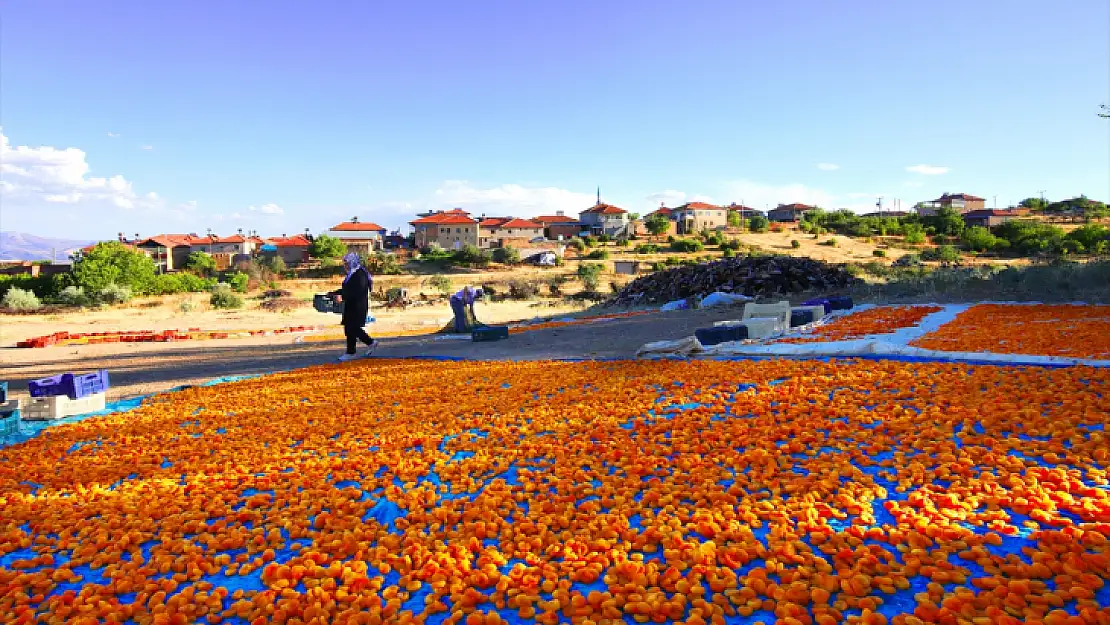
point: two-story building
(502, 231)
(559, 225)
(361, 237)
(746, 212)
(605, 219)
(959, 202)
(694, 217)
(291, 250)
(789, 213)
(451, 230)
(169, 252)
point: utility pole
(1042, 198)
(995, 200)
(879, 204)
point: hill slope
(22, 246)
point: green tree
(201, 264)
(324, 246)
(948, 222)
(113, 263)
(590, 276)
(657, 224)
(759, 223)
(735, 220)
(507, 255)
(914, 233)
(1089, 236)
(633, 216)
(979, 239)
(1034, 203)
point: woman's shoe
(370, 349)
(347, 357)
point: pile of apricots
(1074, 331)
(482, 493)
(878, 320)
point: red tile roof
(171, 240)
(959, 196)
(293, 241)
(662, 210)
(494, 222)
(698, 206)
(555, 219)
(451, 217)
(605, 209)
(358, 226)
(795, 206)
(521, 223)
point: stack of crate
(66, 395)
(9, 412)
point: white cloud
(113, 134)
(703, 198)
(146, 147)
(511, 199)
(827, 166)
(268, 209)
(927, 170)
(668, 197)
(760, 195)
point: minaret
(599, 196)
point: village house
(169, 252)
(959, 202)
(360, 237)
(505, 231)
(989, 218)
(746, 212)
(789, 213)
(605, 219)
(214, 244)
(451, 230)
(694, 217)
(291, 250)
(559, 225)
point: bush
(74, 296)
(622, 242)
(114, 294)
(943, 253)
(187, 306)
(238, 281)
(471, 256)
(555, 285)
(795, 244)
(598, 255)
(42, 286)
(733, 245)
(224, 298)
(687, 246)
(590, 276)
(506, 256)
(325, 246)
(522, 289)
(195, 284)
(20, 299)
(728, 253)
(879, 253)
(759, 223)
(670, 238)
(201, 264)
(914, 234)
(646, 248)
(577, 245)
(979, 239)
(439, 283)
(829, 243)
(604, 238)
(659, 266)
(113, 263)
(589, 241)
(382, 264)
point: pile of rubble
(753, 276)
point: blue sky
(180, 116)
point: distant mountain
(21, 246)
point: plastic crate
(60, 406)
(800, 317)
(489, 333)
(326, 303)
(3, 392)
(721, 334)
(840, 303)
(9, 417)
(70, 385)
(820, 301)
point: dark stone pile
(754, 276)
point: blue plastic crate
(70, 385)
(820, 301)
(3, 392)
(801, 317)
(840, 303)
(489, 333)
(721, 334)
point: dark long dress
(356, 298)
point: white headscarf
(354, 263)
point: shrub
(201, 264)
(731, 244)
(914, 234)
(979, 239)
(383, 264)
(439, 283)
(590, 276)
(829, 243)
(589, 241)
(943, 253)
(759, 223)
(114, 294)
(598, 255)
(728, 253)
(795, 244)
(659, 266)
(670, 238)
(555, 285)
(187, 306)
(471, 256)
(577, 245)
(224, 298)
(522, 289)
(687, 246)
(622, 242)
(604, 239)
(113, 263)
(167, 284)
(195, 284)
(238, 281)
(506, 256)
(74, 296)
(646, 248)
(325, 246)
(20, 299)
(879, 253)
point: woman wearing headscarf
(355, 295)
(462, 304)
